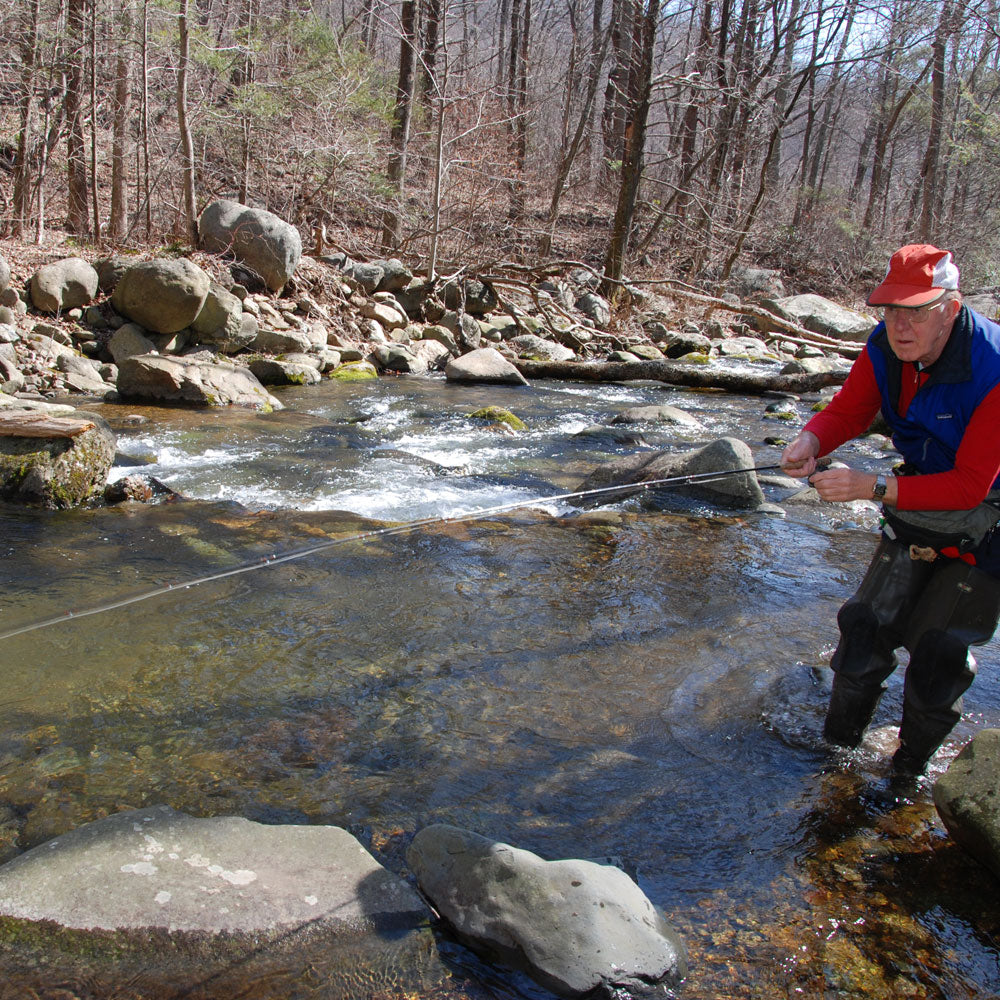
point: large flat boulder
(191, 380)
(153, 902)
(486, 365)
(822, 315)
(577, 927)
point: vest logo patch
(945, 416)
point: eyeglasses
(917, 317)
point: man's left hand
(839, 485)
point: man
(933, 368)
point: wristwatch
(878, 490)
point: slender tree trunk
(184, 125)
(78, 216)
(635, 145)
(26, 120)
(929, 168)
(94, 192)
(146, 185)
(428, 57)
(118, 219)
(401, 123)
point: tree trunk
(184, 126)
(401, 123)
(118, 220)
(635, 145)
(26, 133)
(929, 168)
(77, 212)
(429, 49)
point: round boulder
(63, 284)
(967, 799)
(163, 296)
(259, 239)
(576, 927)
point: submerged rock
(578, 928)
(154, 902)
(967, 797)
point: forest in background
(679, 140)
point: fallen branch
(677, 373)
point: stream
(641, 682)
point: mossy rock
(499, 415)
(354, 371)
(695, 358)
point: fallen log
(34, 425)
(677, 373)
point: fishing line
(396, 529)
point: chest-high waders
(936, 610)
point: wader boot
(872, 626)
(960, 607)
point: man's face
(920, 334)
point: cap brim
(904, 295)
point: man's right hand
(799, 458)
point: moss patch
(499, 415)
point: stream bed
(642, 682)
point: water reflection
(643, 686)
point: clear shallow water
(646, 686)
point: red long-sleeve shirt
(977, 462)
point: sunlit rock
(260, 240)
(528, 345)
(191, 380)
(737, 486)
(63, 284)
(162, 296)
(163, 903)
(968, 801)
(658, 415)
(821, 315)
(578, 928)
(485, 365)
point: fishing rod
(691, 479)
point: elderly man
(933, 368)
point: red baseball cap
(917, 275)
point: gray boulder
(53, 461)
(399, 358)
(395, 276)
(192, 380)
(163, 296)
(368, 275)
(468, 333)
(11, 376)
(740, 489)
(4, 273)
(577, 927)
(83, 375)
(486, 365)
(967, 799)
(284, 371)
(821, 315)
(63, 284)
(658, 415)
(257, 238)
(128, 341)
(281, 341)
(528, 345)
(220, 321)
(596, 307)
(479, 298)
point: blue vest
(968, 369)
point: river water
(642, 682)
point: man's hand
(841, 484)
(799, 458)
